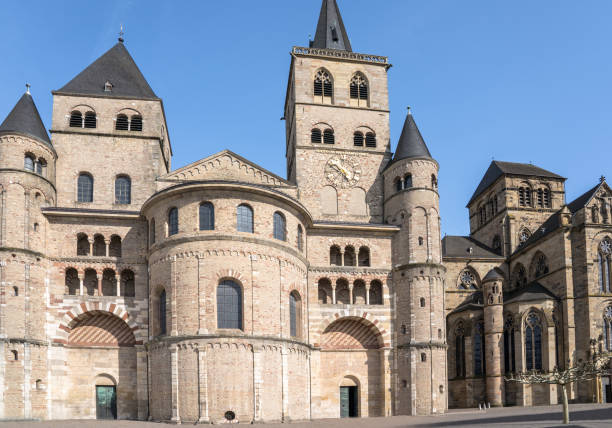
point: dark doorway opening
(608, 393)
(106, 402)
(348, 402)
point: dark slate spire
(331, 33)
(114, 74)
(411, 143)
(24, 119)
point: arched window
(315, 136)
(349, 256)
(370, 140)
(603, 257)
(328, 136)
(509, 350)
(28, 163)
(229, 305)
(358, 139)
(324, 291)
(460, 350)
(90, 119)
(162, 312)
(85, 188)
(539, 265)
(399, 184)
(123, 190)
(136, 123)
(295, 314)
(519, 276)
(608, 328)
(359, 90)
(300, 238)
(244, 218)
(408, 181)
(114, 247)
(335, 256)
(524, 235)
(173, 221)
(364, 256)
(76, 119)
(497, 243)
(434, 181)
(533, 342)
(207, 216)
(280, 231)
(72, 283)
(467, 280)
(128, 285)
(15, 355)
(82, 245)
(323, 86)
(152, 232)
(376, 293)
(479, 347)
(122, 123)
(99, 246)
(41, 166)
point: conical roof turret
(411, 143)
(331, 33)
(25, 119)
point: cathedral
(221, 292)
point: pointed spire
(411, 143)
(117, 68)
(24, 119)
(331, 33)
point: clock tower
(337, 125)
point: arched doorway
(106, 397)
(349, 398)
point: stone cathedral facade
(222, 292)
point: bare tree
(597, 365)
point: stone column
(118, 285)
(107, 245)
(351, 293)
(333, 294)
(257, 381)
(367, 296)
(141, 382)
(174, 383)
(81, 286)
(91, 242)
(99, 278)
(203, 386)
(285, 386)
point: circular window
(230, 416)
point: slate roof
(583, 199)
(25, 119)
(499, 168)
(411, 143)
(492, 275)
(458, 246)
(532, 291)
(117, 67)
(473, 302)
(331, 33)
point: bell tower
(337, 124)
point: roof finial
(28, 88)
(121, 33)
(602, 179)
(409, 112)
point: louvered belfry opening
(90, 119)
(315, 136)
(328, 137)
(358, 139)
(136, 123)
(370, 140)
(76, 119)
(358, 90)
(323, 87)
(122, 123)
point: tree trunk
(565, 405)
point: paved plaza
(582, 415)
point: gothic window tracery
(467, 280)
(524, 235)
(479, 348)
(323, 86)
(533, 342)
(359, 90)
(541, 266)
(460, 350)
(608, 328)
(520, 276)
(509, 349)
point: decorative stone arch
(83, 108)
(533, 266)
(474, 272)
(522, 316)
(105, 379)
(233, 275)
(596, 242)
(353, 314)
(79, 312)
(129, 111)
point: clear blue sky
(522, 80)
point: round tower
(494, 332)
(27, 175)
(412, 203)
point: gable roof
(498, 168)
(472, 303)
(117, 67)
(582, 200)
(25, 119)
(331, 33)
(458, 246)
(411, 143)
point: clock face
(342, 171)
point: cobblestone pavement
(582, 415)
